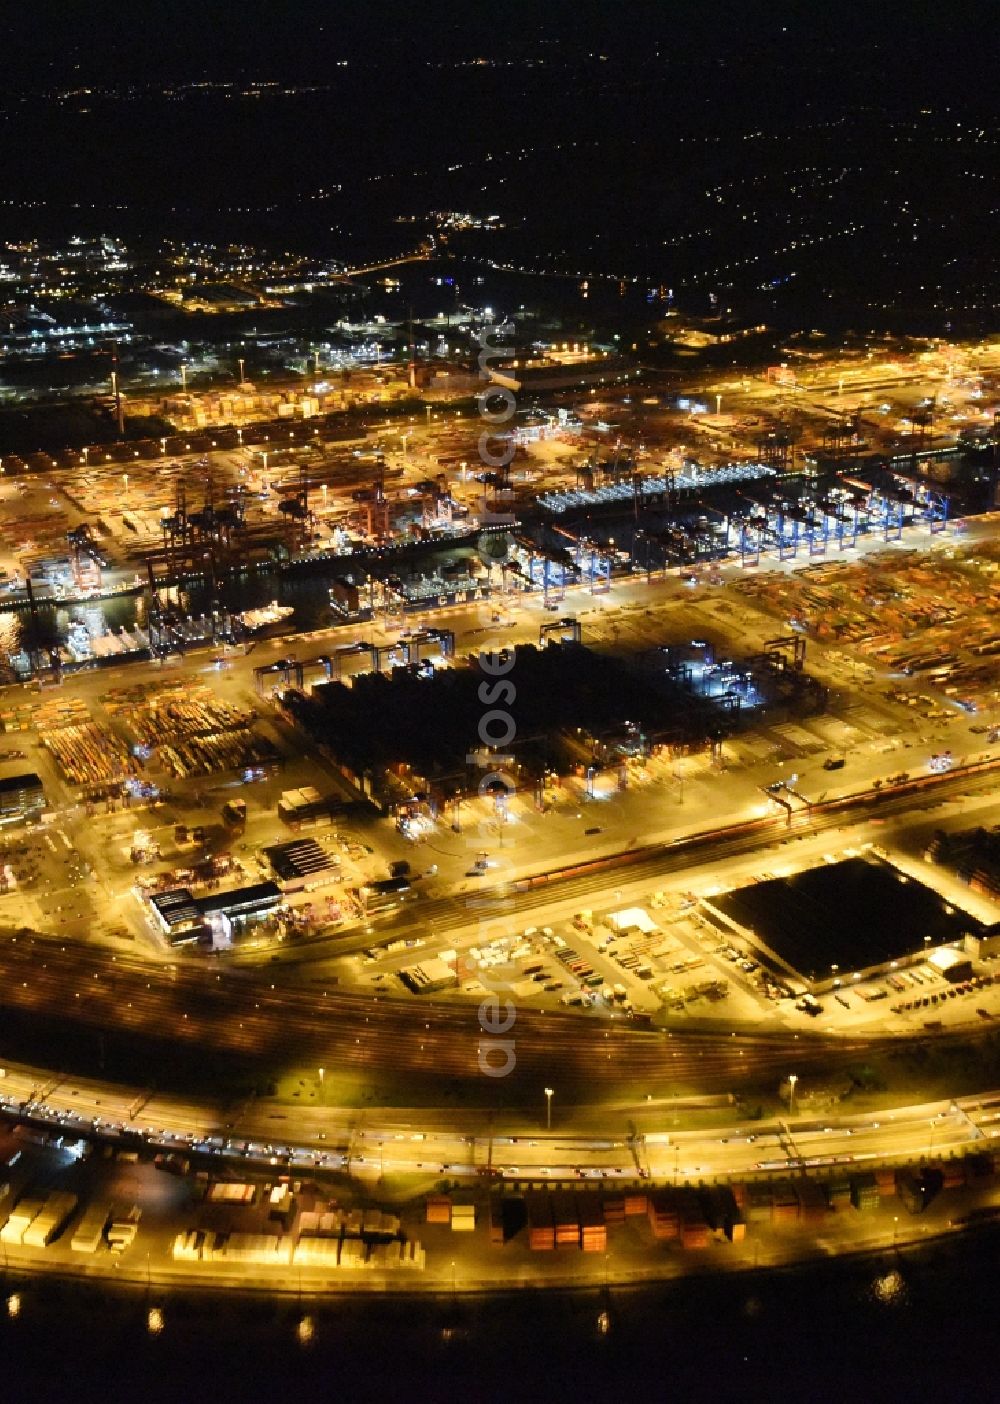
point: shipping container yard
(499, 702)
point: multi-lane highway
(610, 1142)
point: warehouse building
(846, 922)
(430, 976)
(300, 863)
(183, 917)
(20, 796)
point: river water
(307, 595)
(910, 1327)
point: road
(378, 1046)
(445, 916)
(599, 1142)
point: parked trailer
(21, 1217)
(50, 1222)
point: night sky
(810, 162)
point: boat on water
(85, 641)
(274, 613)
(78, 641)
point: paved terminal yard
(100, 1211)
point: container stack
(758, 1204)
(87, 754)
(911, 1190)
(614, 1210)
(840, 1193)
(567, 1222)
(413, 1255)
(885, 1178)
(635, 1205)
(89, 1232)
(50, 1220)
(377, 1223)
(16, 719)
(321, 1223)
(864, 1191)
(784, 1205)
(316, 1252)
(541, 1229)
(123, 1228)
(496, 1222)
(229, 1192)
(20, 1219)
(280, 1202)
(302, 806)
(186, 1247)
(953, 1175)
(386, 1256)
(438, 1209)
(463, 1218)
(593, 1229)
(664, 1220)
(262, 1248)
(352, 1253)
(813, 1206)
(353, 1222)
(693, 1226)
(736, 1229)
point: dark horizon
(803, 166)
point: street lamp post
(549, 1094)
(792, 1080)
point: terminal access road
(383, 1049)
(602, 1142)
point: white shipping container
(90, 1230)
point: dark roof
(260, 894)
(299, 858)
(11, 784)
(176, 907)
(853, 914)
(386, 885)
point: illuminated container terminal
(846, 922)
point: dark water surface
(913, 1327)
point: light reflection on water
(889, 1289)
(854, 1323)
(309, 597)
